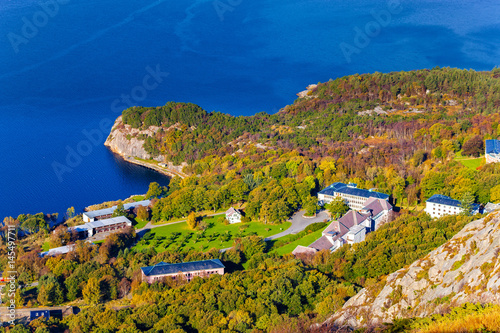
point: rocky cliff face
(465, 269)
(125, 140)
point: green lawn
(471, 163)
(178, 236)
(138, 198)
(203, 213)
(45, 246)
(140, 223)
(304, 241)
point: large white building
(351, 228)
(354, 197)
(186, 270)
(91, 228)
(439, 205)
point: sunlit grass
(486, 320)
(304, 241)
(469, 162)
(179, 236)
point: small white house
(233, 215)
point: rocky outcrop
(308, 93)
(465, 269)
(128, 142)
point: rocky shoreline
(123, 141)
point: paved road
(299, 223)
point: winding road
(299, 223)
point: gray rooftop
(356, 229)
(376, 206)
(321, 243)
(350, 190)
(444, 200)
(58, 250)
(163, 268)
(107, 211)
(107, 222)
(101, 223)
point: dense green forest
(403, 133)
(271, 294)
(398, 132)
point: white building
(354, 197)
(439, 205)
(350, 228)
(91, 228)
(233, 215)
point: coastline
(163, 170)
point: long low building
(440, 205)
(60, 250)
(91, 228)
(187, 270)
(105, 213)
(354, 197)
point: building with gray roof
(440, 205)
(354, 197)
(112, 224)
(187, 270)
(105, 213)
(352, 227)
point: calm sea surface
(67, 67)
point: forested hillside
(407, 134)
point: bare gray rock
(465, 269)
(124, 140)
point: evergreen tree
(467, 203)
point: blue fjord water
(68, 67)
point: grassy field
(304, 241)
(178, 236)
(140, 223)
(471, 163)
(45, 246)
(204, 213)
